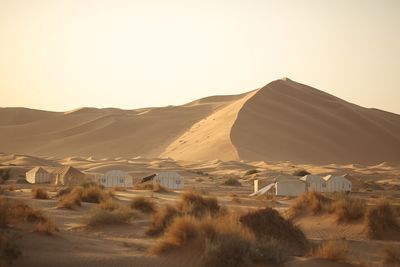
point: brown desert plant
(391, 255)
(310, 201)
(9, 249)
(232, 182)
(39, 193)
(46, 226)
(380, 220)
(193, 203)
(99, 216)
(332, 250)
(162, 219)
(109, 204)
(143, 204)
(347, 209)
(70, 200)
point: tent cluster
(292, 186)
(68, 175)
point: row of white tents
(68, 175)
(292, 186)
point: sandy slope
(284, 120)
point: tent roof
(67, 170)
(37, 169)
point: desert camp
(38, 175)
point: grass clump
(143, 204)
(70, 200)
(268, 224)
(310, 201)
(109, 205)
(232, 182)
(250, 172)
(46, 226)
(39, 193)
(13, 212)
(380, 221)
(155, 187)
(347, 209)
(99, 216)
(332, 250)
(162, 219)
(301, 173)
(194, 203)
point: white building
(38, 175)
(314, 183)
(115, 178)
(290, 187)
(171, 180)
(337, 184)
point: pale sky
(64, 54)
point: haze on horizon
(60, 55)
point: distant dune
(284, 120)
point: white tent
(171, 180)
(314, 183)
(38, 175)
(337, 184)
(290, 187)
(115, 178)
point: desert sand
(284, 120)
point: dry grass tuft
(380, 220)
(143, 204)
(100, 216)
(39, 193)
(46, 226)
(347, 209)
(14, 212)
(332, 250)
(391, 256)
(152, 187)
(268, 224)
(70, 200)
(109, 205)
(309, 201)
(193, 203)
(232, 182)
(162, 219)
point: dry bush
(232, 182)
(270, 250)
(109, 205)
(11, 187)
(70, 200)
(380, 220)
(250, 172)
(347, 209)
(310, 201)
(39, 193)
(301, 173)
(332, 250)
(162, 219)
(268, 224)
(93, 193)
(14, 212)
(193, 203)
(143, 204)
(46, 226)
(391, 256)
(159, 188)
(63, 191)
(106, 217)
(9, 250)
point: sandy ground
(284, 120)
(127, 245)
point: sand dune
(283, 121)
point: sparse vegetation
(109, 205)
(193, 203)
(380, 220)
(46, 226)
(347, 209)
(143, 204)
(162, 219)
(268, 224)
(70, 200)
(250, 172)
(39, 193)
(332, 250)
(232, 182)
(155, 187)
(310, 201)
(5, 174)
(100, 216)
(301, 173)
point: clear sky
(64, 54)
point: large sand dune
(284, 120)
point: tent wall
(290, 188)
(169, 180)
(38, 177)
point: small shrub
(152, 187)
(228, 250)
(268, 224)
(391, 255)
(347, 209)
(193, 203)
(11, 187)
(109, 205)
(309, 201)
(332, 250)
(380, 220)
(232, 182)
(250, 172)
(46, 226)
(5, 174)
(271, 251)
(39, 193)
(162, 219)
(143, 204)
(9, 250)
(159, 188)
(93, 194)
(70, 201)
(106, 217)
(300, 173)
(63, 191)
